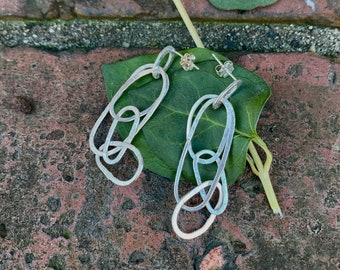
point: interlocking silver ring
(111, 152)
(219, 157)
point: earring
(207, 156)
(111, 152)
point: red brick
(300, 124)
(324, 12)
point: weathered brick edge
(316, 12)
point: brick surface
(58, 210)
(324, 12)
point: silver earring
(111, 152)
(207, 156)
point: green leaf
(161, 140)
(241, 5)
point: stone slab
(84, 34)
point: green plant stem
(262, 171)
(188, 23)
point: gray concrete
(89, 34)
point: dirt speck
(23, 104)
(128, 204)
(137, 257)
(58, 262)
(295, 70)
(55, 135)
(53, 204)
(29, 257)
(3, 230)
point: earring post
(221, 64)
(182, 56)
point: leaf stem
(262, 171)
(188, 23)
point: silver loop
(168, 50)
(227, 93)
(206, 198)
(192, 125)
(148, 112)
(180, 205)
(110, 176)
(121, 151)
(139, 73)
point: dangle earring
(207, 156)
(111, 152)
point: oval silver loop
(168, 50)
(109, 175)
(227, 93)
(192, 125)
(100, 119)
(148, 112)
(206, 200)
(181, 204)
(139, 73)
(110, 152)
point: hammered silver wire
(117, 149)
(219, 157)
(223, 150)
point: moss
(67, 235)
